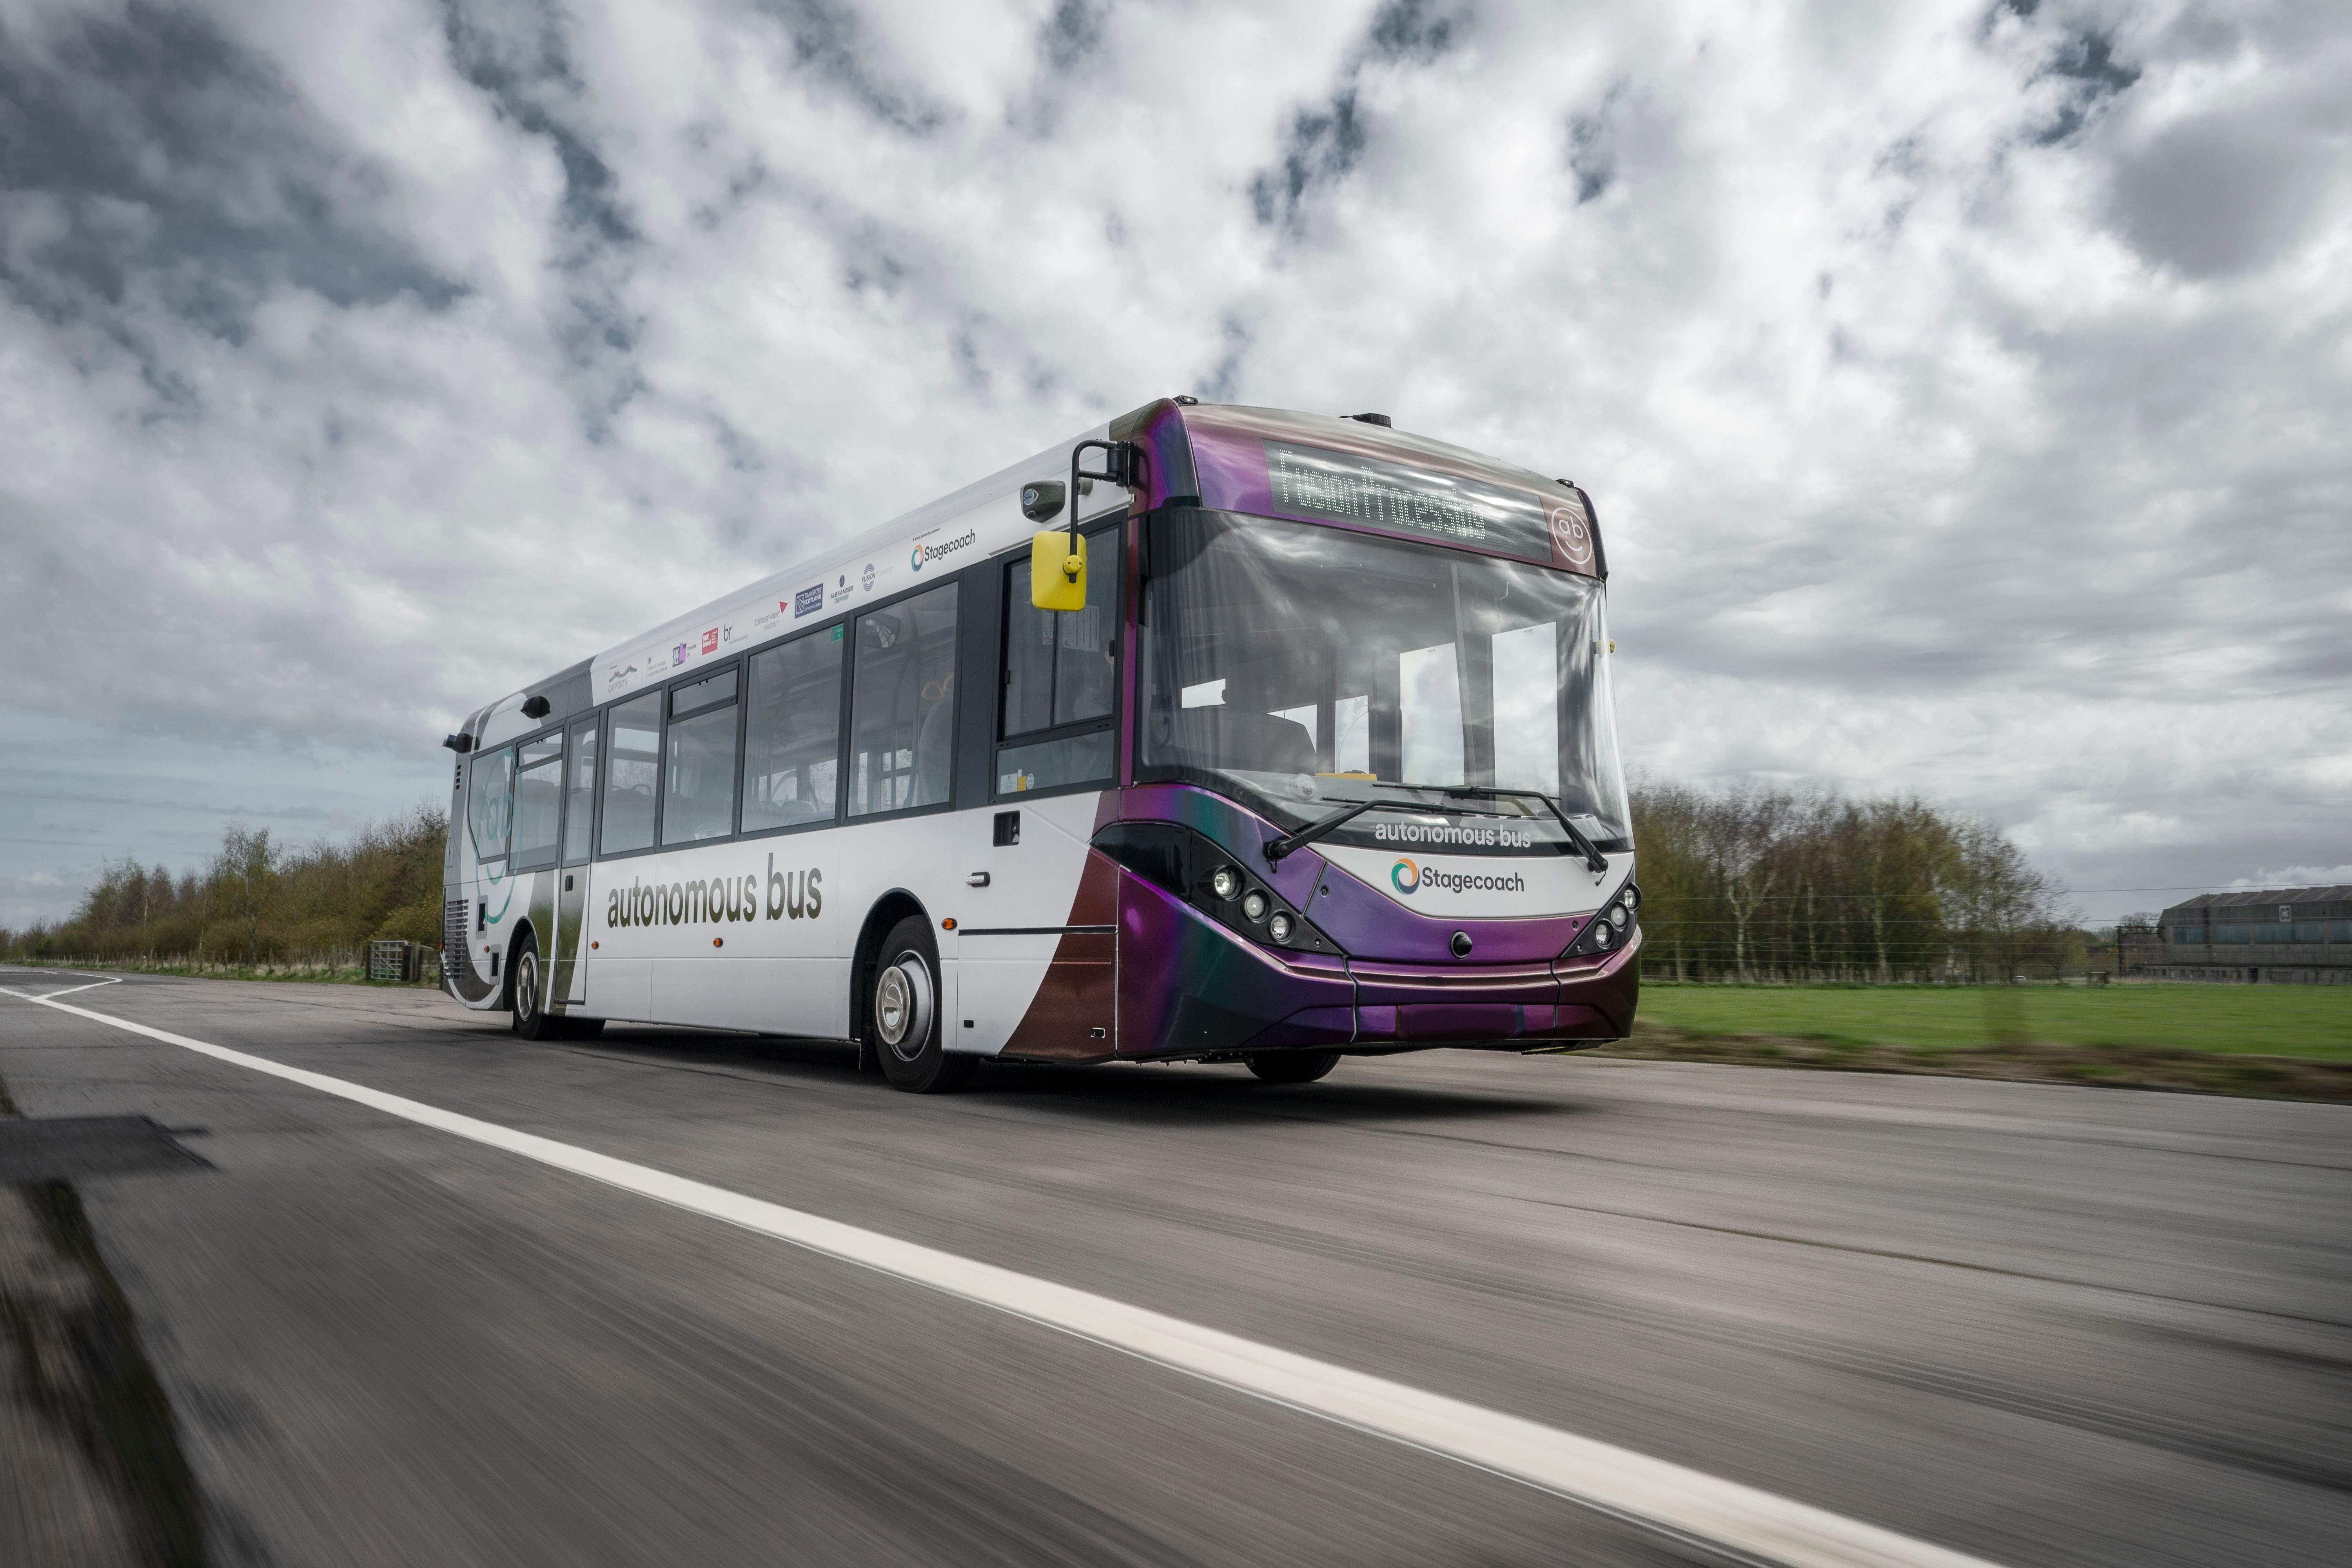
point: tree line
(1756, 884)
(257, 902)
(1741, 884)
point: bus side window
(792, 736)
(632, 770)
(489, 810)
(538, 801)
(579, 796)
(699, 788)
(902, 704)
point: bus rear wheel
(1291, 1066)
(902, 1013)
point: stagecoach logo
(924, 554)
(787, 895)
(808, 601)
(1409, 877)
(1571, 532)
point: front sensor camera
(1042, 499)
(1460, 944)
(1226, 882)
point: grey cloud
(1324, 144)
(1072, 35)
(147, 154)
(826, 41)
(2221, 193)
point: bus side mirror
(1057, 571)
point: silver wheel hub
(527, 988)
(902, 1007)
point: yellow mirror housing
(1057, 571)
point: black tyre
(902, 1015)
(1292, 1067)
(526, 992)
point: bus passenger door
(571, 974)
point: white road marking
(1652, 1492)
(69, 990)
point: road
(2039, 1325)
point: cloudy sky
(1964, 388)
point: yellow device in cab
(1057, 571)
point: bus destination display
(1341, 487)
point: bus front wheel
(902, 1013)
(1291, 1066)
(531, 1016)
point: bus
(1217, 735)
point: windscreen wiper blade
(1595, 861)
(1315, 830)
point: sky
(1963, 388)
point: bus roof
(1272, 462)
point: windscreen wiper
(1595, 861)
(1315, 830)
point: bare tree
(245, 883)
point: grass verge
(2274, 1042)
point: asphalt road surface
(2038, 1325)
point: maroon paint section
(1188, 985)
(1080, 993)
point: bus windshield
(1314, 668)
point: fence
(402, 962)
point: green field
(2312, 1022)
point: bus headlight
(1210, 880)
(1601, 936)
(1618, 916)
(1631, 898)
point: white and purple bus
(1317, 758)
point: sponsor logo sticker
(865, 579)
(808, 601)
(710, 640)
(679, 654)
(924, 554)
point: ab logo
(1571, 534)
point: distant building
(2283, 936)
